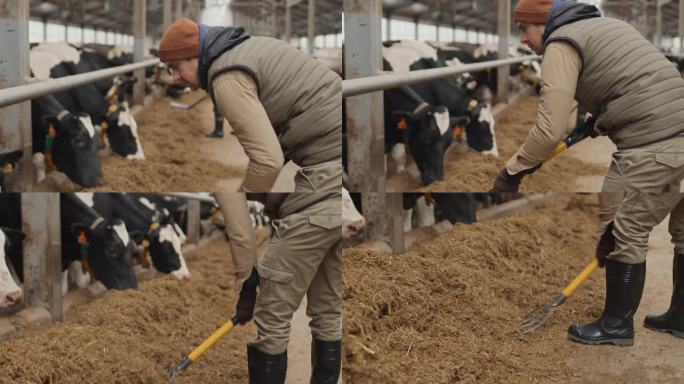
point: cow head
(108, 253)
(352, 221)
(429, 135)
(121, 131)
(73, 148)
(480, 128)
(165, 250)
(10, 292)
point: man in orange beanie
(281, 103)
(637, 97)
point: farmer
(303, 258)
(281, 103)
(638, 96)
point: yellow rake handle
(560, 148)
(209, 342)
(574, 284)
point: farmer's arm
(560, 71)
(237, 98)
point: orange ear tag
(82, 238)
(51, 131)
(402, 124)
(458, 132)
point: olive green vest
(301, 96)
(636, 91)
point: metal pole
(15, 122)
(396, 210)
(42, 259)
(179, 9)
(54, 256)
(311, 26)
(66, 35)
(681, 27)
(193, 221)
(415, 24)
(359, 86)
(288, 23)
(82, 34)
(25, 92)
(504, 36)
(166, 22)
(365, 126)
(658, 38)
(139, 24)
(437, 31)
(388, 26)
(453, 33)
(44, 28)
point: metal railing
(192, 196)
(13, 95)
(362, 85)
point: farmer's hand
(606, 244)
(506, 182)
(247, 298)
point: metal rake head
(536, 318)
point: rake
(538, 317)
(174, 370)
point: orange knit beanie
(181, 41)
(532, 11)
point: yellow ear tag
(472, 104)
(112, 109)
(401, 125)
(7, 168)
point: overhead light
(46, 8)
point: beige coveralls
(642, 182)
(303, 258)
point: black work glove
(510, 183)
(247, 300)
(606, 244)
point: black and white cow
(102, 244)
(11, 292)
(429, 116)
(352, 221)
(147, 224)
(116, 124)
(479, 128)
(64, 141)
(434, 207)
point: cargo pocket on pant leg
(675, 161)
(272, 283)
(326, 221)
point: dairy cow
(64, 141)
(478, 129)
(147, 226)
(10, 291)
(117, 127)
(434, 207)
(101, 245)
(352, 221)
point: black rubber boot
(265, 368)
(672, 321)
(326, 361)
(624, 286)
(216, 133)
